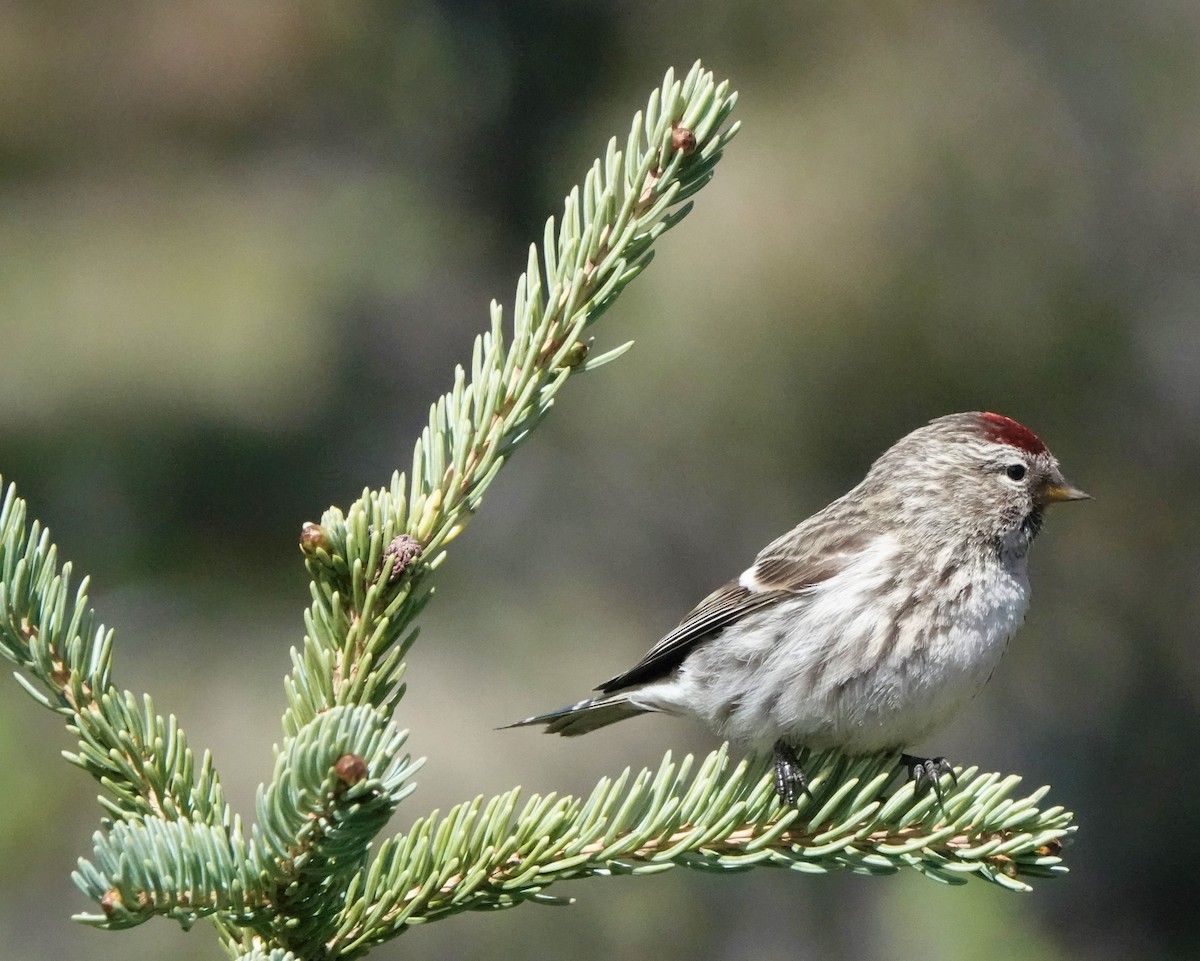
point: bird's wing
(720, 609)
(782, 570)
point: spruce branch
(180, 869)
(140, 758)
(485, 855)
(369, 566)
(336, 785)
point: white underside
(827, 669)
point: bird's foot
(790, 781)
(926, 774)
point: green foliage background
(244, 244)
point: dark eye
(1015, 471)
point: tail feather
(576, 719)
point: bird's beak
(1059, 489)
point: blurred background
(244, 242)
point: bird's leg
(790, 781)
(926, 774)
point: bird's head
(974, 475)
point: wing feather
(782, 570)
(718, 610)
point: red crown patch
(1005, 430)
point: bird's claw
(926, 774)
(790, 782)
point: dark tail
(583, 717)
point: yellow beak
(1061, 490)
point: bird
(868, 625)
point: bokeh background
(244, 242)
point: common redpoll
(867, 626)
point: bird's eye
(1015, 472)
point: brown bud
(403, 550)
(1005, 865)
(110, 902)
(683, 140)
(350, 769)
(576, 355)
(1051, 849)
(312, 538)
